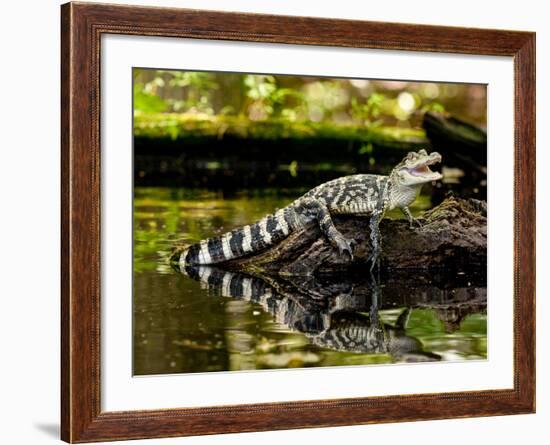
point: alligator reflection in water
(342, 312)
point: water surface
(183, 325)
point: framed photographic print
(275, 222)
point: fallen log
(462, 144)
(173, 149)
(453, 237)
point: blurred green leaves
(369, 111)
(259, 87)
(157, 94)
(364, 104)
(267, 99)
(146, 102)
(433, 106)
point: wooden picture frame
(82, 26)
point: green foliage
(475, 323)
(293, 169)
(201, 81)
(433, 106)
(288, 103)
(195, 88)
(366, 149)
(368, 112)
(424, 322)
(425, 325)
(175, 125)
(146, 102)
(259, 87)
(267, 99)
(199, 87)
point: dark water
(182, 324)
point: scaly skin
(363, 194)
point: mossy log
(461, 143)
(174, 126)
(232, 152)
(453, 236)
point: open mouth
(424, 170)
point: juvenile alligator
(362, 194)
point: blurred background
(229, 131)
(215, 151)
(295, 98)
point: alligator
(331, 317)
(361, 194)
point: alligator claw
(415, 223)
(345, 248)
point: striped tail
(239, 242)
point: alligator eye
(410, 156)
(423, 152)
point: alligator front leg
(313, 210)
(375, 238)
(412, 220)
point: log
(174, 126)
(462, 144)
(453, 237)
(231, 152)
